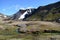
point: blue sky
(9, 7)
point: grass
(9, 32)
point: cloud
(3, 9)
(29, 7)
(15, 7)
(11, 8)
(26, 8)
(22, 8)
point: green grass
(10, 32)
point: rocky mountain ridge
(22, 14)
(49, 12)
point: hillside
(49, 12)
(46, 30)
(22, 14)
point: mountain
(22, 14)
(2, 15)
(49, 12)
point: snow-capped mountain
(22, 14)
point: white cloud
(29, 7)
(14, 8)
(25, 8)
(22, 8)
(3, 9)
(17, 7)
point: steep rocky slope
(22, 14)
(49, 12)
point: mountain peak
(41, 13)
(22, 13)
(46, 12)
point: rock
(58, 20)
(21, 28)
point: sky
(10, 7)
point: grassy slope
(10, 31)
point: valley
(8, 30)
(41, 23)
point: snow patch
(23, 15)
(5, 16)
